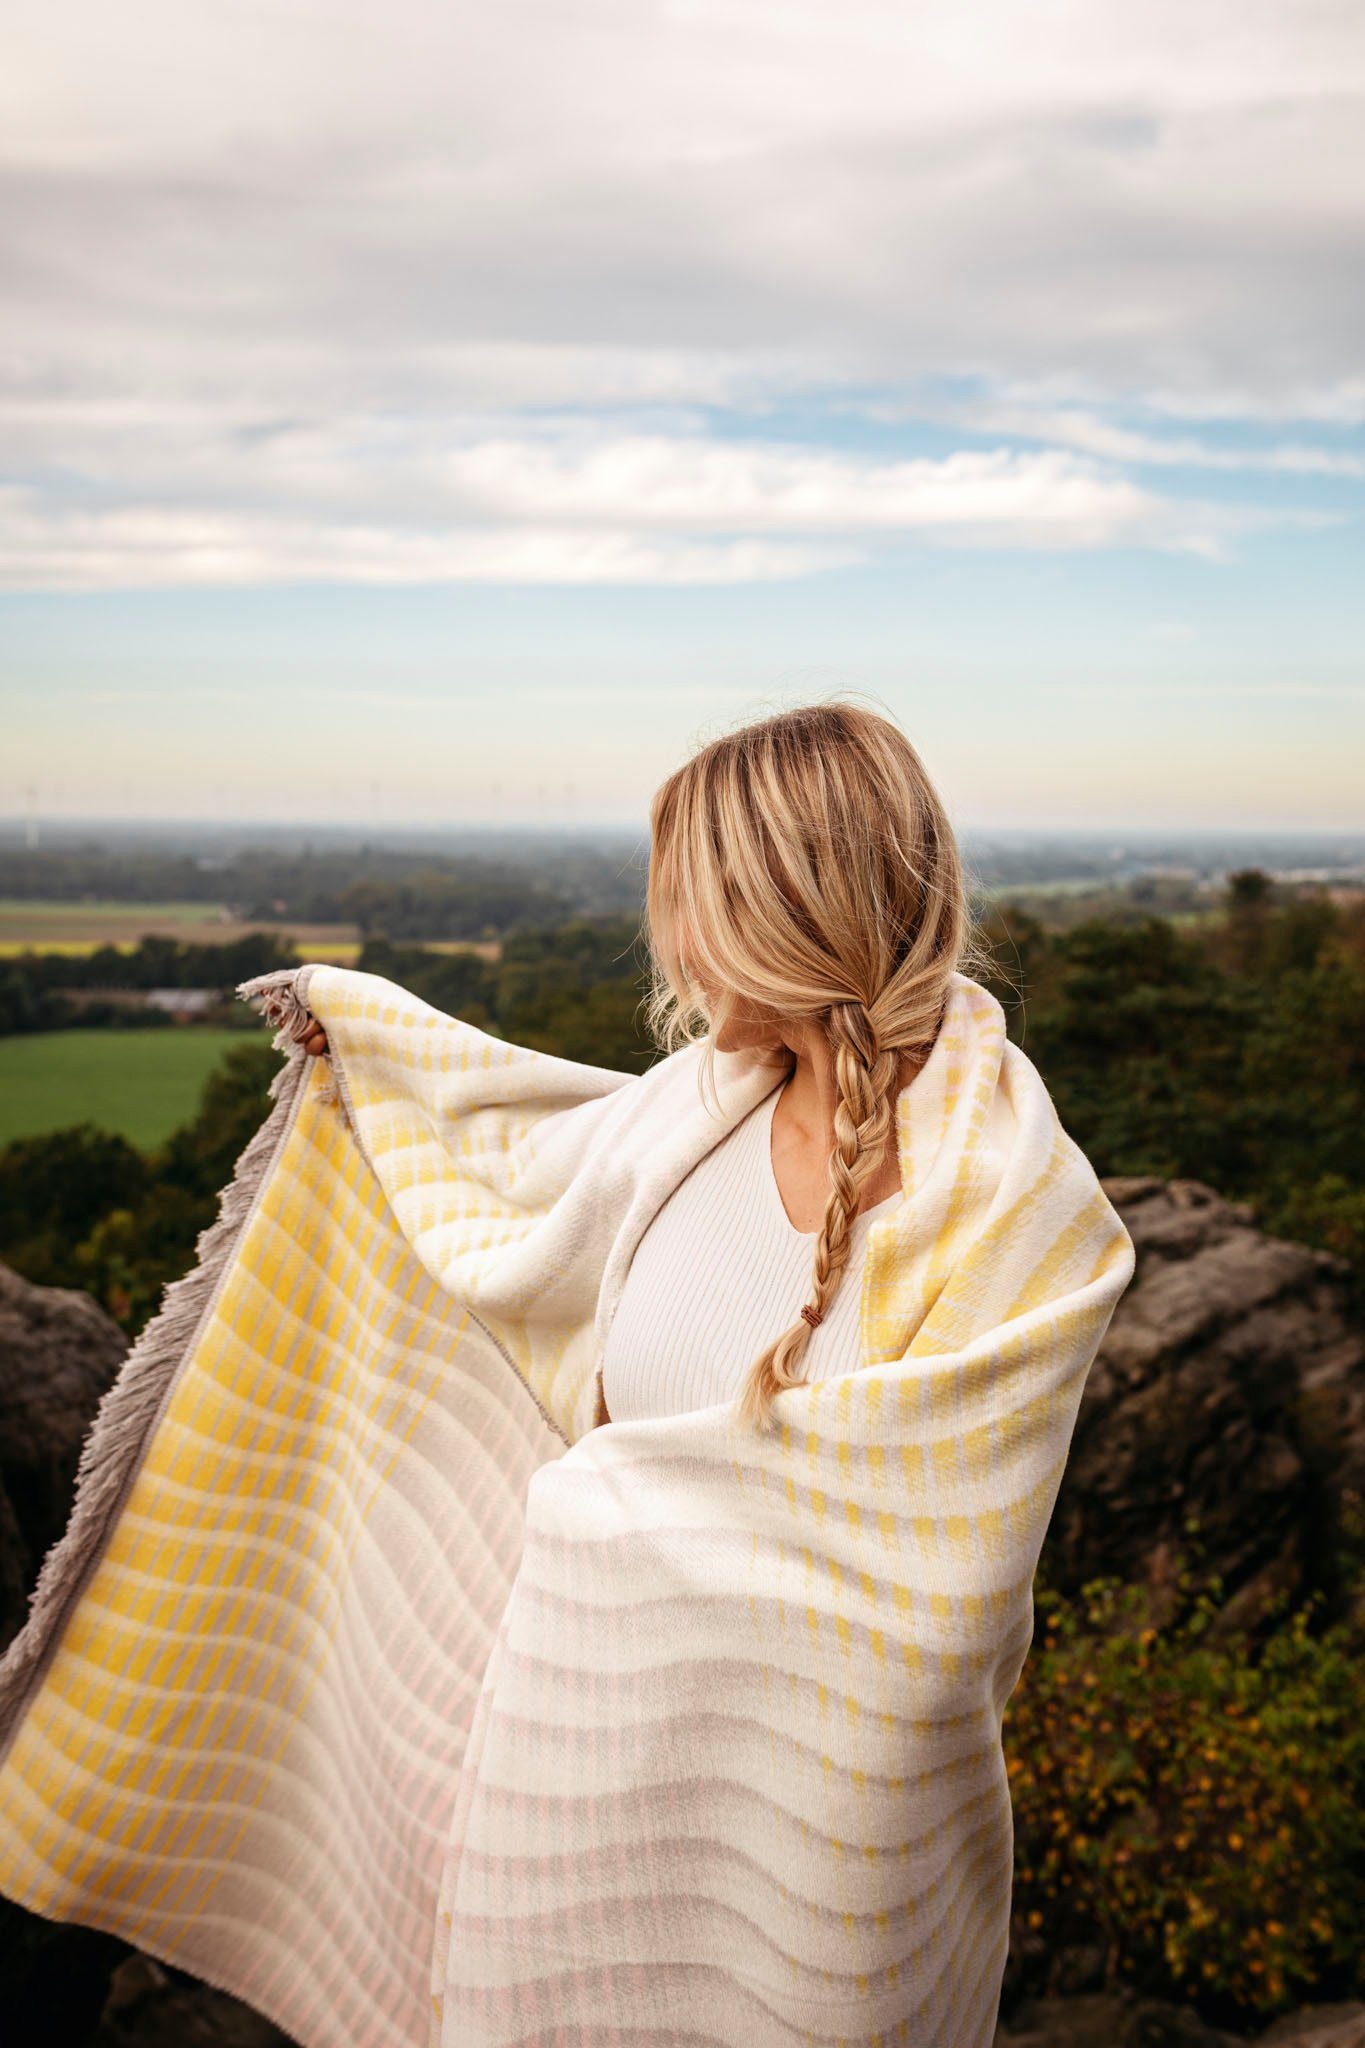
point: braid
(805, 887)
(865, 1075)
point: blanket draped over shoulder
(375, 1684)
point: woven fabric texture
(376, 1685)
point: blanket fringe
(113, 1449)
(279, 996)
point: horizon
(1350, 842)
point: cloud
(1156, 197)
(370, 506)
(1074, 427)
(158, 548)
(1032, 499)
(365, 261)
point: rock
(1108, 2020)
(1077, 1967)
(1123, 2020)
(150, 2006)
(62, 1984)
(66, 1983)
(58, 1353)
(1230, 1386)
(1319, 2026)
(1094, 2021)
(53, 1979)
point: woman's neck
(803, 1129)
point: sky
(438, 411)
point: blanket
(379, 1684)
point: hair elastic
(812, 1315)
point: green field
(142, 1083)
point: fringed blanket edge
(131, 1407)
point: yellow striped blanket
(375, 1684)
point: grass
(142, 1083)
(25, 917)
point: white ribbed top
(721, 1271)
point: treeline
(380, 889)
(1235, 1057)
(574, 990)
(568, 985)
(84, 1208)
(36, 988)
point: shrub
(1196, 1807)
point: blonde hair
(804, 865)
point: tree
(1249, 892)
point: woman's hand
(316, 1040)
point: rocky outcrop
(1099, 2020)
(1103, 2020)
(1230, 1386)
(1318, 2026)
(149, 2006)
(58, 1353)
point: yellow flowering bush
(1192, 1804)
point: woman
(805, 903)
(376, 1683)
